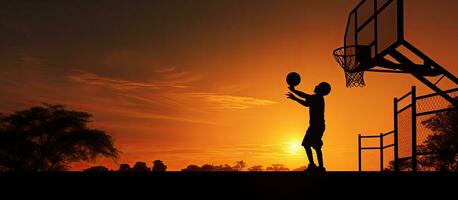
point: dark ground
(222, 185)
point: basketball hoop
(352, 64)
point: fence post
(359, 152)
(414, 130)
(381, 152)
(396, 159)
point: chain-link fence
(431, 108)
(425, 135)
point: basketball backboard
(377, 25)
(373, 37)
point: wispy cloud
(170, 95)
(94, 79)
(173, 151)
(233, 102)
(175, 80)
(165, 70)
(160, 116)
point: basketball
(293, 79)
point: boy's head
(323, 89)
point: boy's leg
(307, 143)
(308, 150)
(319, 155)
(318, 143)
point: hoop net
(346, 57)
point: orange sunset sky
(196, 82)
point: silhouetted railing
(381, 147)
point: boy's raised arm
(302, 102)
(299, 93)
(294, 98)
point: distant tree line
(239, 166)
(159, 166)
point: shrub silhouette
(140, 167)
(302, 168)
(50, 138)
(209, 168)
(191, 168)
(124, 167)
(256, 168)
(277, 167)
(237, 167)
(96, 169)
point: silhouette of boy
(316, 128)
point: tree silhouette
(239, 165)
(159, 166)
(50, 138)
(256, 168)
(444, 140)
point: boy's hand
(291, 88)
(291, 96)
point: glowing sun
(294, 148)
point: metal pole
(400, 20)
(375, 28)
(414, 130)
(359, 152)
(381, 152)
(396, 161)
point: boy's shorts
(313, 136)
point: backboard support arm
(431, 62)
(403, 60)
(404, 67)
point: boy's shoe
(311, 168)
(320, 170)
